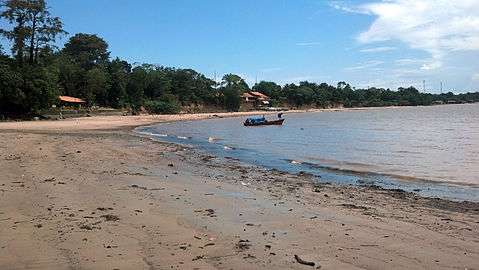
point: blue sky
(367, 43)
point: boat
(261, 121)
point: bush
(162, 107)
(232, 99)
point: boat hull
(278, 122)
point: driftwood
(301, 261)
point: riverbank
(88, 194)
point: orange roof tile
(247, 95)
(71, 99)
(259, 95)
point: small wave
(147, 133)
(295, 162)
(183, 137)
(213, 139)
(228, 148)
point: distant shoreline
(240, 113)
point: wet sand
(89, 194)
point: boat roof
(256, 118)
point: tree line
(36, 72)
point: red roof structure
(247, 95)
(71, 99)
(259, 95)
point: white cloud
(438, 27)
(348, 8)
(308, 44)
(365, 65)
(409, 61)
(475, 77)
(378, 49)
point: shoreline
(427, 188)
(94, 195)
(408, 184)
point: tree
(118, 71)
(233, 80)
(11, 95)
(232, 86)
(270, 89)
(232, 99)
(87, 50)
(96, 85)
(33, 24)
(40, 87)
(84, 70)
(136, 87)
(71, 77)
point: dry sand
(88, 194)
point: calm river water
(430, 150)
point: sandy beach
(88, 193)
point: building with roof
(256, 98)
(71, 100)
(67, 101)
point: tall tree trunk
(37, 48)
(32, 39)
(19, 41)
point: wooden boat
(250, 122)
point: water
(432, 150)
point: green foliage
(40, 87)
(232, 99)
(87, 50)
(164, 106)
(235, 81)
(118, 71)
(232, 86)
(270, 89)
(33, 28)
(12, 97)
(96, 85)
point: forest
(34, 72)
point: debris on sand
(104, 208)
(243, 244)
(110, 217)
(249, 256)
(301, 261)
(139, 187)
(353, 206)
(199, 257)
(86, 227)
(209, 244)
